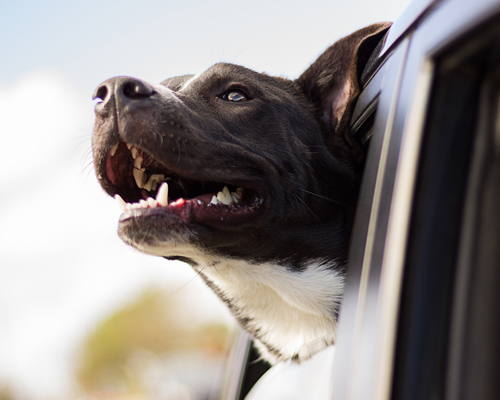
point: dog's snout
(121, 91)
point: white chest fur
(292, 314)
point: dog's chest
(291, 314)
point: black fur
(289, 144)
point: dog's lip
(193, 211)
(188, 210)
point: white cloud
(62, 264)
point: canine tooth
(139, 176)
(134, 152)
(129, 146)
(113, 149)
(152, 202)
(138, 162)
(221, 196)
(121, 202)
(162, 195)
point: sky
(62, 266)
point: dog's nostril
(135, 90)
(100, 93)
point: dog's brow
(188, 82)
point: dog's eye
(234, 95)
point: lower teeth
(223, 197)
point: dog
(249, 178)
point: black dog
(249, 178)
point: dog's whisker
(190, 159)
(302, 201)
(320, 196)
(179, 151)
(188, 282)
(89, 165)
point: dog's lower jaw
(289, 310)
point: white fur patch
(293, 312)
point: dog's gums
(149, 192)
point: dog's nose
(122, 90)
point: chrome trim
(237, 362)
(397, 231)
(348, 357)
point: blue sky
(62, 267)
(92, 40)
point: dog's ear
(332, 81)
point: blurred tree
(152, 323)
(6, 393)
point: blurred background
(83, 316)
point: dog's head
(258, 167)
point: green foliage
(152, 323)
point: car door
(420, 317)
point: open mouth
(143, 186)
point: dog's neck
(290, 314)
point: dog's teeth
(235, 199)
(214, 200)
(134, 152)
(225, 197)
(121, 202)
(139, 176)
(143, 203)
(129, 146)
(113, 149)
(162, 195)
(149, 185)
(138, 162)
(152, 202)
(154, 181)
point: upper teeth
(226, 197)
(113, 149)
(223, 197)
(138, 162)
